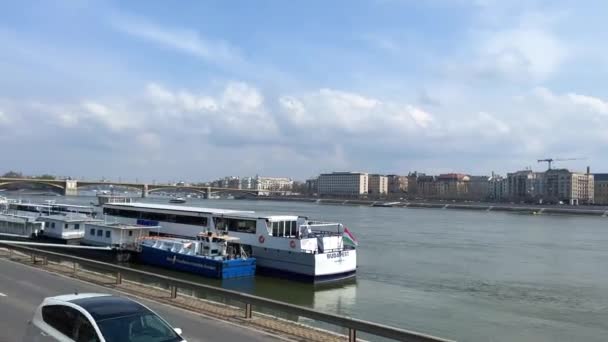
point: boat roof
(213, 211)
(68, 218)
(179, 208)
(121, 226)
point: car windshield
(145, 327)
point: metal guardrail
(352, 324)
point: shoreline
(532, 209)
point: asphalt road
(23, 288)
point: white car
(94, 317)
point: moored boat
(177, 200)
(288, 246)
(210, 255)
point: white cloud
(329, 111)
(592, 103)
(520, 53)
(114, 119)
(149, 140)
(183, 40)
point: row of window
(99, 232)
(66, 226)
(235, 225)
(160, 217)
(285, 228)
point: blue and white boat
(210, 255)
(287, 246)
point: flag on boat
(349, 239)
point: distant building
(568, 187)
(377, 184)
(525, 185)
(478, 188)
(412, 183)
(312, 185)
(600, 188)
(247, 183)
(273, 183)
(497, 188)
(343, 184)
(426, 186)
(230, 182)
(452, 185)
(397, 184)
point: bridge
(69, 187)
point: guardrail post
(352, 335)
(248, 311)
(45, 260)
(33, 258)
(75, 267)
(118, 278)
(10, 253)
(173, 291)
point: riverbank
(531, 209)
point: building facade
(600, 181)
(247, 183)
(562, 185)
(478, 188)
(525, 185)
(452, 186)
(426, 186)
(273, 183)
(312, 185)
(497, 188)
(343, 184)
(377, 184)
(397, 184)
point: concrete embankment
(526, 209)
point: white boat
(22, 226)
(69, 227)
(289, 246)
(177, 200)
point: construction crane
(551, 160)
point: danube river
(464, 275)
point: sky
(197, 90)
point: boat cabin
(117, 235)
(20, 225)
(65, 227)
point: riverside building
(343, 184)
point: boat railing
(249, 302)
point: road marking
(2, 294)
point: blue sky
(196, 90)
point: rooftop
(121, 226)
(601, 177)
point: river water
(464, 275)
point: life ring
(261, 239)
(292, 244)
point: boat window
(235, 225)
(282, 228)
(92, 232)
(130, 233)
(99, 232)
(66, 226)
(53, 225)
(108, 233)
(293, 228)
(275, 228)
(77, 226)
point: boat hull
(308, 267)
(220, 269)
